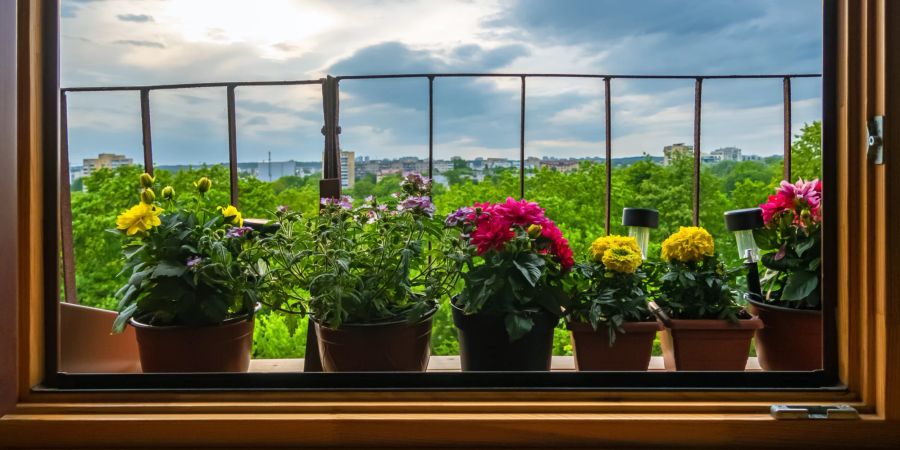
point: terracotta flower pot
(225, 347)
(630, 351)
(396, 346)
(484, 343)
(791, 338)
(708, 344)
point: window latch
(875, 151)
(826, 412)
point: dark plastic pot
(631, 351)
(484, 343)
(791, 339)
(225, 347)
(708, 344)
(396, 346)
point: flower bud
(203, 185)
(147, 180)
(534, 231)
(168, 193)
(147, 196)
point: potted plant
(194, 281)
(366, 275)
(706, 328)
(609, 322)
(790, 305)
(513, 260)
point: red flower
(522, 213)
(559, 245)
(492, 233)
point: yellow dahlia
(141, 217)
(604, 243)
(622, 259)
(232, 215)
(688, 244)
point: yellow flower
(688, 244)
(534, 231)
(168, 193)
(203, 184)
(232, 215)
(604, 243)
(141, 217)
(622, 259)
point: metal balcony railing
(330, 185)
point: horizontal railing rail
(331, 130)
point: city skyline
(201, 41)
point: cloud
(137, 18)
(138, 43)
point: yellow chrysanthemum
(232, 215)
(604, 243)
(622, 259)
(141, 217)
(688, 244)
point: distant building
(104, 161)
(273, 170)
(751, 158)
(671, 152)
(348, 169)
(710, 159)
(533, 163)
(728, 154)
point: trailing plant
(694, 283)
(189, 262)
(607, 290)
(369, 263)
(513, 261)
(792, 241)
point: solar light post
(639, 222)
(742, 222)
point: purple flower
(414, 184)
(421, 204)
(237, 232)
(282, 209)
(345, 201)
(370, 199)
(193, 261)
(460, 215)
(382, 207)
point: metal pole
(145, 131)
(787, 129)
(430, 127)
(232, 146)
(698, 93)
(522, 143)
(608, 194)
(65, 205)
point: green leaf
(168, 269)
(530, 271)
(799, 285)
(805, 244)
(122, 318)
(517, 324)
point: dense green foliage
(574, 200)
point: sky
(132, 42)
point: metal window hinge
(876, 140)
(828, 412)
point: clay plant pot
(708, 344)
(791, 339)
(484, 343)
(225, 347)
(630, 351)
(396, 346)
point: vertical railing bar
(232, 145)
(787, 129)
(608, 195)
(522, 142)
(698, 95)
(146, 131)
(65, 205)
(430, 127)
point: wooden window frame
(866, 53)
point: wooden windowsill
(451, 364)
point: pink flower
(559, 245)
(491, 234)
(522, 213)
